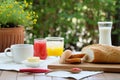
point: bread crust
(98, 53)
(66, 54)
(80, 55)
(73, 60)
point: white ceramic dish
(31, 64)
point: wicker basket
(9, 36)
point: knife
(43, 70)
(35, 70)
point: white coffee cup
(19, 52)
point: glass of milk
(105, 32)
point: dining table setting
(52, 68)
(47, 59)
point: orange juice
(56, 51)
(55, 46)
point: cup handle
(6, 53)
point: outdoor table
(12, 75)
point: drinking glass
(55, 46)
(40, 48)
(105, 32)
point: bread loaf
(98, 53)
(66, 54)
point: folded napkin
(66, 74)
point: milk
(105, 35)
(105, 32)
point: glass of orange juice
(55, 46)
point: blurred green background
(75, 20)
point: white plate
(31, 64)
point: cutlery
(34, 70)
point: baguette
(99, 53)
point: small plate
(31, 64)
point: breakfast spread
(96, 53)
